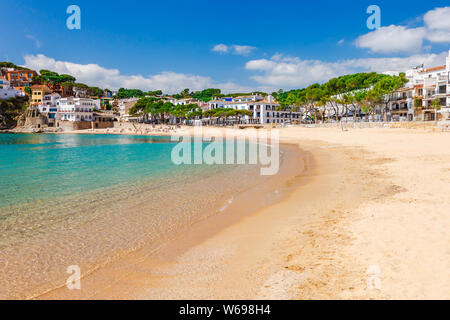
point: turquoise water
(43, 166)
(86, 199)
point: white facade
(75, 109)
(428, 85)
(215, 104)
(7, 92)
(49, 106)
(266, 112)
(97, 104)
(124, 106)
(263, 109)
(184, 101)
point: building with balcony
(7, 92)
(37, 94)
(19, 79)
(419, 96)
(265, 110)
(49, 107)
(75, 109)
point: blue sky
(169, 45)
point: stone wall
(82, 125)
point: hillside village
(40, 101)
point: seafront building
(7, 92)
(37, 94)
(75, 109)
(124, 106)
(416, 100)
(264, 109)
(49, 107)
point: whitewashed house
(7, 92)
(75, 109)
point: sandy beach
(366, 218)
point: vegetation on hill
(11, 110)
(46, 76)
(5, 64)
(206, 95)
(130, 93)
(239, 94)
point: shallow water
(87, 199)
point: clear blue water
(83, 199)
(42, 166)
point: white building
(124, 107)
(215, 104)
(7, 92)
(265, 110)
(425, 85)
(75, 109)
(184, 101)
(49, 106)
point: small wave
(226, 204)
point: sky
(238, 46)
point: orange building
(20, 79)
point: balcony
(443, 78)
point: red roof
(433, 69)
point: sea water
(86, 199)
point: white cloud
(438, 19)
(235, 49)
(95, 75)
(220, 48)
(400, 39)
(437, 22)
(340, 42)
(392, 39)
(293, 72)
(242, 50)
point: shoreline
(362, 204)
(231, 213)
(224, 208)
